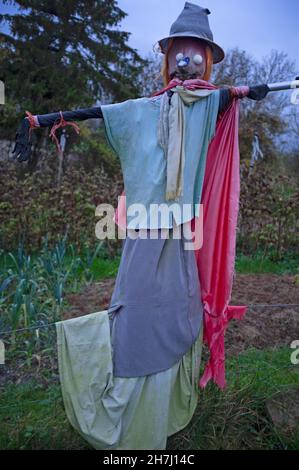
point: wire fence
(235, 371)
(48, 325)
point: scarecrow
(130, 374)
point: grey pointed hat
(193, 22)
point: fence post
(2, 92)
(2, 352)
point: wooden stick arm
(45, 120)
(284, 85)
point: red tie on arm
(62, 123)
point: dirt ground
(260, 328)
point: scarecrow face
(187, 58)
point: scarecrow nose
(182, 61)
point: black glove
(22, 148)
(258, 92)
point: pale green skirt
(121, 413)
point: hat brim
(217, 51)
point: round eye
(179, 56)
(197, 59)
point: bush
(269, 213)
(33, 206)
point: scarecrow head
(190, 50)
(188, 58)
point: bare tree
(267, 118)
(150, 77)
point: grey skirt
(156, 309)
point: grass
(105, 268)
(245, 264)
(32, 415)
(237, 418)
(257, 264)
(102, 267)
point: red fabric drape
(216, 258)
